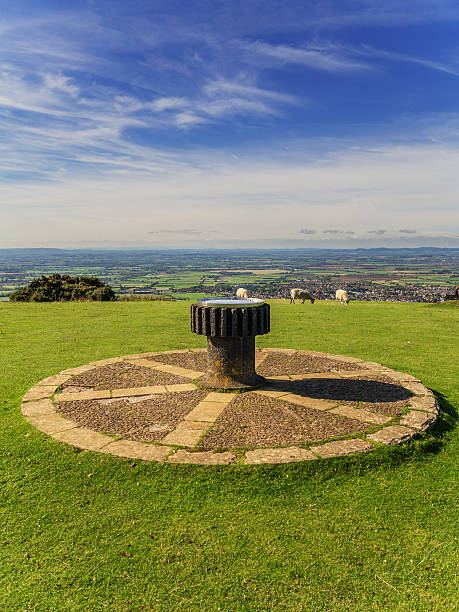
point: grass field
(83, 531)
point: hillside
(89, 531)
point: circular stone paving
(314, 405)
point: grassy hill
(83, 531)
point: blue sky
(214, 123)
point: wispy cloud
(402, 57)
(374, 12)
(318, 58)
(221, 87)
(358, 190)
(49, 115)
(116, 118)
(186, 232)
(337, 57)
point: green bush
(64, 288)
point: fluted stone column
(230, 327)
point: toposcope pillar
(230, 327)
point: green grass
(84, 531)
(189, 296)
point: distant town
(395, 275)
(366, 291)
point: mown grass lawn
(85, 531)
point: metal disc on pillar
(230, 327)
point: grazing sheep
(300, 294)
(342, 297)
(242, 293)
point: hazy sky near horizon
(323, 123)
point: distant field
(82, 531)
(188, 296)
(270, 272)
(266, 272)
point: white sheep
(300, 294)
(242, 293)
(342, 297)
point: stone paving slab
(259, 358)
(270, 392)
(82, 395)
(342, 447)
(82, 437)
(56, 379)
(206, 458)
(315, 375)
(394, 434)
(401, 376)
(309, 402)
(78, 370)
(187, 433)
(145, 363)
(103, 362)
(39, 392)
(426, 403)
(277, 455)
(139, 355)
(214, 396)
(51, 423)
(181, 387)
(418, 420)
(284, 351)
(371, 365)
(361, 415)
(38, 408)
(417, 388)
(186, 372)
(206, 411)
(317, 354)
(137, 450)
(357, 373)
(346, 359)
(177, 370)
(131, 391)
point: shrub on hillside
(64, 288)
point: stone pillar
(230, 327)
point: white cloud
(358, 190)
(187, 119)
(165, 104)
(62, 83)
(316, 58)
(223, 87)
(81, 130)
(401, 57)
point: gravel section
(277, 364)
(145, 420)
(256, 421)
(377, 394)
(189, 360)
(119, 376)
